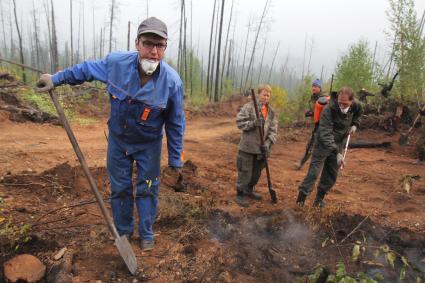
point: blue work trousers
(120, 169)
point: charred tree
(244, 55)
(217, 71)
(71, 32)
(3, 29)
(36, 37)
(261, 61)
(128, 36)
(49, 35)
(274, 59)
(255, 42)
(111, 23)
(225, 49)
(21, 49)
(55, 53)
(209, 49)
(12, 44)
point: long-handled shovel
(345, 151)
(404, 137)
(121, 242)
(261, 131)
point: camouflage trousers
(249, 171)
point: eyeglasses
(150, 45)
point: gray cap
(153, 25)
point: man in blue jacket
(145, 94)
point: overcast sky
(332, 25)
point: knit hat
(317, 82)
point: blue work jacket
(138, 114)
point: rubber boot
(318, 201)
(301, 198)
(254, 196)
(241, 200)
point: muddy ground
(201, 234)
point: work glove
(45, 83)
(340, 159)
(353, 129)
(309, 113)
(259, 122)
(265, 148)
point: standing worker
(420, 143)
(316, 93)
(316, 103)
(250, 160)
(145, 94)
(338, 119)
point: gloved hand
(309, 113)
(265, 148)
(340, 159)
(45, 83)
(421, 112)
(353, 129)
(259, 122)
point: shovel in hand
(345, 152)
(272, 192)
(121, 242)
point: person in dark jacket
(338, 119)
(146, 96)
(250, 160)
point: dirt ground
(202, 235)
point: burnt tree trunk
(209, 49)
(54, 42)
(217, 71)
(21, 50)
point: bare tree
(36, 37)
(262, 60)
(214, 55)
(305, 48)
(94, 33)
(128, 36)
(311, 52)
(111, 23)
(21, 50)
(274, 58)
(209, 49)
(255, 41)
(217, 71)
(3, 29)
(12, 43)
(78, 37)
(54, 41)
(244, 53)
(49, 36)
(84, 32)
(71, 32)
(225, 48)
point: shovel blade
(273, 195)
(127, 253)
(403, 139)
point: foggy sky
(330, 25)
